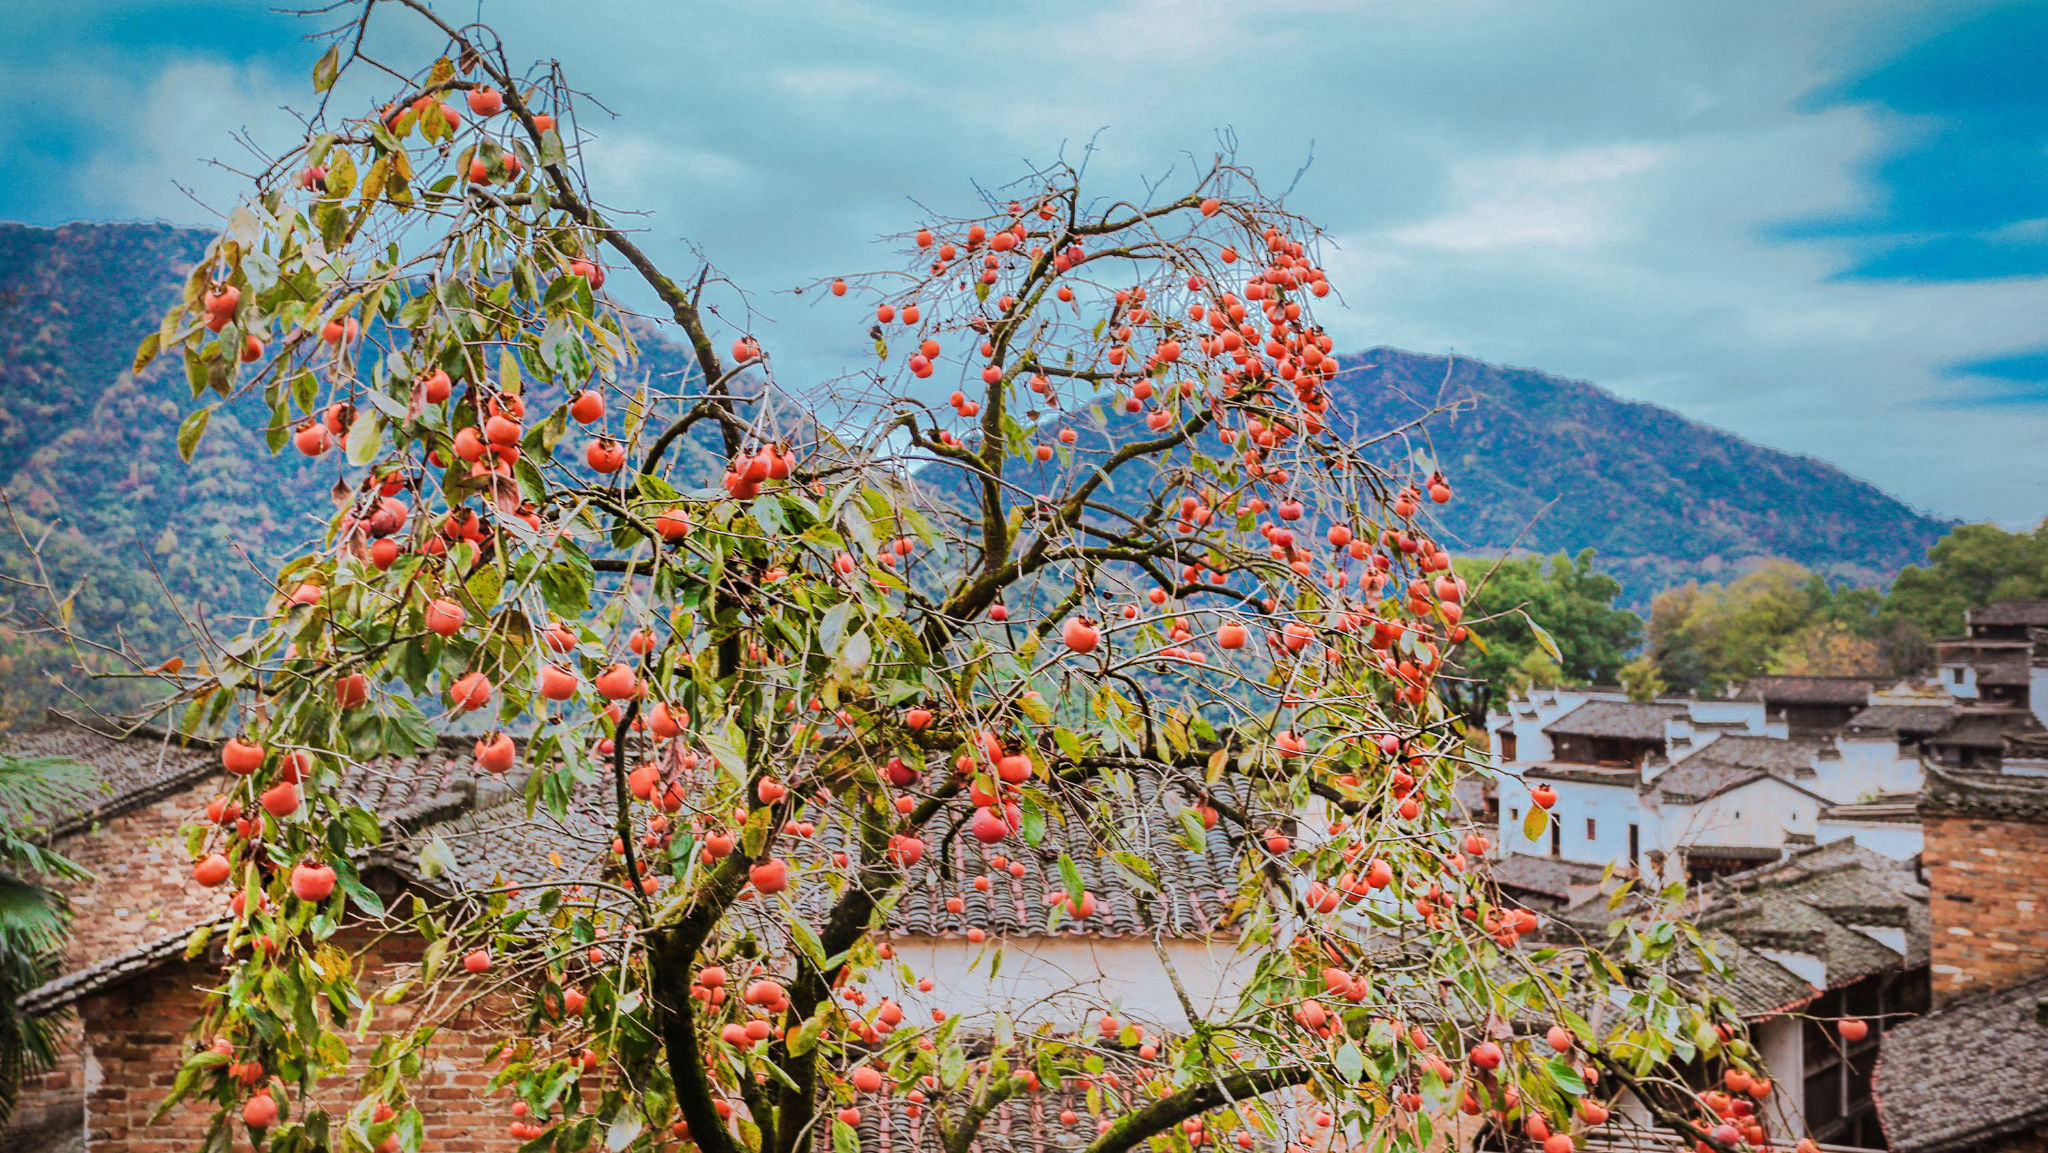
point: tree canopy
(1971, 567)
(913, 621)
(1542, 622)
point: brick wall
(1990, 901)
(143, 891)
(137, 1035)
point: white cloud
(1573, 200)
(1589, 187)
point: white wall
(1867, 766)
(1612, 808)
(1901, 842)
(1960, 681)
(1759, 813)
(1781, 1045)
(2037, 691)
(1064, 981)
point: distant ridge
(1560, 465)
(1537, 461)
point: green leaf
(1070, 876)
(436, 859)
(191, 429)
(551, 147)
(806, 1036)
(1035, 707)
(728, 748)
(366, 438)
(623, 1129)
(1543, 638)
(147, 351)
(1350, 1062)
(1567, 1078)
(1534, 824)
(327, 69)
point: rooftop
(1968, 1073)
(1797, 690)
(1625, 720)
(1733, 761)
(1905, 720)
(2032, 612)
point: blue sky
(1822, 224)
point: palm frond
(33, 787)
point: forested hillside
(91, 471)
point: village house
(134, 985)
(1827, 932)
(1971, 1075)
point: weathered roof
(1549, 877)
(148, 765)
(1798, 690)
(1989, 728)
(105, 974)
(1731, 761)
(151, 763)
(1627, 720)
(1754, 984)
(1886, 808)
(1905, 720)
(1967, 1073)
(1819, 902)
(1995, 662)
(2012, 612)
(1985, 795)
(1620, 776)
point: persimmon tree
(1139, 551)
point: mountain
(1545, 464)
(89, 466)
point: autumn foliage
(1133, 588)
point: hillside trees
(915, 623)
(1779, 619)
(1542, 621)
(1973, 566)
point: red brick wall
(1989, 881)
(143, 891)
(137, 1036)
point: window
(1556, 837)
(1635, 846)
(1589, 828)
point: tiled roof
(1987, 728)
(1888, 808)
(2012, 612)
(1754, 984)
(1817, 901)
(1985, 794)
(1792, 690)
(1905, 720)
(1627, 720)
(1966, 1074)
(1621, 776)
(148, 765)
(152, 763)
(1733, 761)
(1995, 662)
(85, 982)
(1545, 876)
